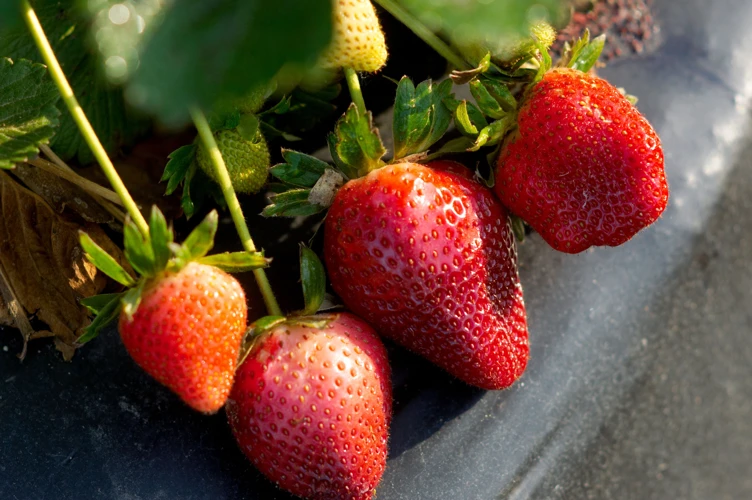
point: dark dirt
(629, 25)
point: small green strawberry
(252, 102)
(247, 161)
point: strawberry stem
(353, 84)
(87, 131)
(425, 34)
(233, 205)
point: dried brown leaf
(6, 318)
(61, 194)
(45, 265)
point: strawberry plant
(418, 235)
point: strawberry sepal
(152, 255)
(105, 315)
(313, 279)
(355, 144)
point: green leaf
(463, 121)
(198, 187)
(271, 133)
(97, 303)
(465, 76)
(300, 170)
(236, 262)
(132, 298)
(282, 107)
(138, 250)
(467, 117)
(486, 102)
(291, 203)
(355, 144)
(248, 127)
(202, 51)
(313, 278)
(519, 75)
(104, 261)
(420, 116)
(186, 199)
(518, 228)
(586, 57)
(201, 239)
(28, 116)
(106, 314)
(303, 112)
(266, 323)
(573, 52)
(471, 21)
(176, 169)
(493, 133)
(545, 62)
(223, 118)
(66, 28)
(500, 92)
(10, 15)
(161, 237)
(456, 145)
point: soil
(629, 26)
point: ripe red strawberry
(584, 168)
(312, 404)
(183, 319)
(187, 331)
(426, 255)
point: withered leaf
(61, 194)
(44, 264)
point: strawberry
(187, 331)
(426, 255)
(584, 167)
(312, 404)
(247, 161)
(253, 101)
(184, 318)
(358, 41)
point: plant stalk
(87, 131)
(425, 34)
(233, 205)
(355, 93)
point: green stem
(225, 183)
(87, 131)
(425, 34)
(355, 93)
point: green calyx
(355, 144)
(308, 184)
(584, 54)
(263, 326)
(422, 116)
(247, 160)
(151, 255)
(313, 278)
